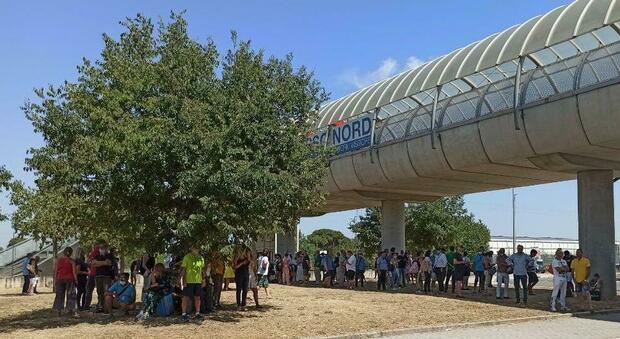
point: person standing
(450, 268)
(26, 273)
(241, 262)
(382, 267)
(92, 274)
(580, 267)
(191, 274)
(286, 269)
(300, 272)
(426, 268)
(317, 267)
(350, 266)
(487, 261)
(402, 269)
(532, 277)
(360, 269)
(467, 272)
(103, 274)
(441, 263)
(570, 286)
(82, 277)
(520, 262)
(65, 277)
(458, 273)
(560, 268)
(263, 272)
(479, 270)
(217, 275)
(502, 275)
(328, 264)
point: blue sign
(346, 137)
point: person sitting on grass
(154, 293)
(121, 295)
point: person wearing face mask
(103, 274)
(121, 295)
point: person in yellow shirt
(580, 266)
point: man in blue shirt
(26, 273)
(121, 295)
(360, 269)
(382, 266)
(328, 265)
(479, 270)
(519, 262)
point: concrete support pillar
(393, 224)
(596, 225)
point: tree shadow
(43, 319)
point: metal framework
(560, 34)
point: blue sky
(347, 43)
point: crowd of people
(191, 285)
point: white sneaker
(553, 309)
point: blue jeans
(395, 277)
(521, 280)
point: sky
(348, 44)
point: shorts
(582, 287)
(350, 275)
(192, 290)
(457, 275)
(532, 277)
(263, 281)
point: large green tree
(326, 239)
(367, 230)
(163, 142)
(443, 222)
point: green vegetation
(443, 222)
(440, 223)
(164, 142)
(326, 239)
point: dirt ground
(293, 311)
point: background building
(545, 246)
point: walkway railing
(588, 65)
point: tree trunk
(55, 254)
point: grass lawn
(292, 312)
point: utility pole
(514, 215)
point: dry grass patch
(292, 312)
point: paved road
(596, 326)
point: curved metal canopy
(560, 25)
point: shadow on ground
(47, 318)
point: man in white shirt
(441, 261)
(263, 272)
(559, 267)
(350, 266)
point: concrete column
(393, 224)
(596, 225)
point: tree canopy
(164, 142)
(326, 239)
(367, 230)
(443, 222)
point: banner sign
(346, 137)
